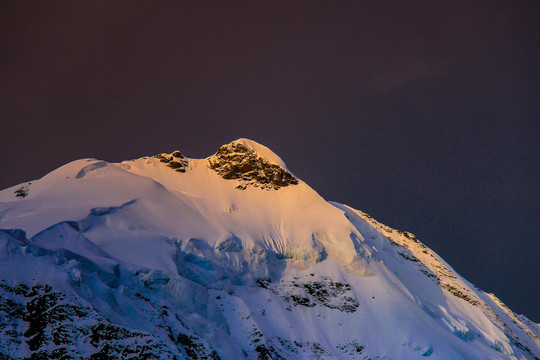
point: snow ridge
(163, 257)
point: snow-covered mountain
(228, 257)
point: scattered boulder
(22, 192)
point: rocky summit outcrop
(236, 161)
(175, 161)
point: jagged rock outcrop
(175, 161)
(236, 161)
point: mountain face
(228, 257)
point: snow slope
(227, 257)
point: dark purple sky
(423, 114)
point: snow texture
(229, 257)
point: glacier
(228, 257)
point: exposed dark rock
(232, 244)
(329, 293)
(55, 325)
(460, 294)
(236, 161)
(194, 348)
(441, 275)
(351, 347)
(107, 332)
(177, 154)
(409, 256)
(300, 300)
(175, 165)
(265, 352)
(22, 192)
(175, 161)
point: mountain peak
(253, 163)
(260, 150)
(161, 257)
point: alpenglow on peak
(227, 257)
(252, 163)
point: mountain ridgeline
(228, 257)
